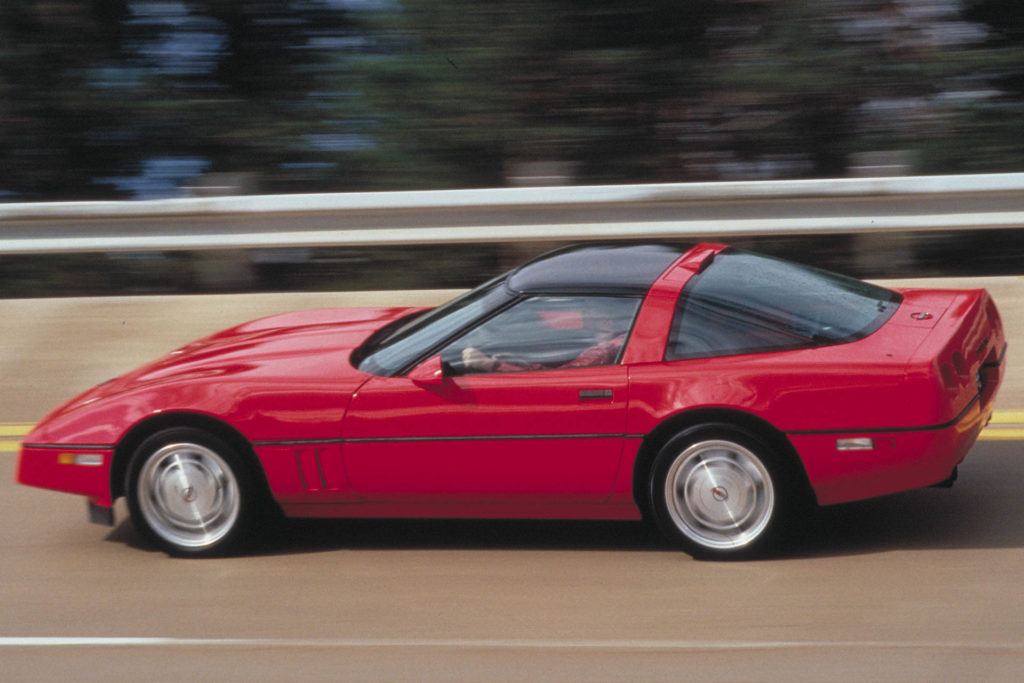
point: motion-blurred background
(147, 99)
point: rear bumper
(899, 460)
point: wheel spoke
(185, 485)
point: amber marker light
(87, 459)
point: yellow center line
(1002, 435)
(13, 429)
(1008, 417)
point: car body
(710, 389)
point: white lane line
(505, 644)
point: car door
(548, 431)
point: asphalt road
(919, 586)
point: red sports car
(709, 389)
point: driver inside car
(602, 352)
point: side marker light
(87, 459)
(865, 443)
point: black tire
(191, 494)
(719, 492)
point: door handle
(595, 394)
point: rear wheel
(719, 492)
(190, 493)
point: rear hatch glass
(748, 303)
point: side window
(747, 303)
(546, 333)
(703, 328)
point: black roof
(595, 269)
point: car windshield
(397, 351)
(748, 303)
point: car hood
(294, 354)
(313, 344)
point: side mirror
(429, 373)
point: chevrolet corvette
(713, 391)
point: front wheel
(719, 492)
(190, 493)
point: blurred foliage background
(141, 99)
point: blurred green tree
(466, 93)
(984, 112)
(796, 88)
(131, 97)
(103, 98)
(252, 89)
(62, 122)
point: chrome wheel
(720, 491)
(188, 495)
(191, 493)
(719, 494)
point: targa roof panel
(599, 268)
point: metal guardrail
(684, 211)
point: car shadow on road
(459, 534)
(302, 536)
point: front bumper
(71, 469)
